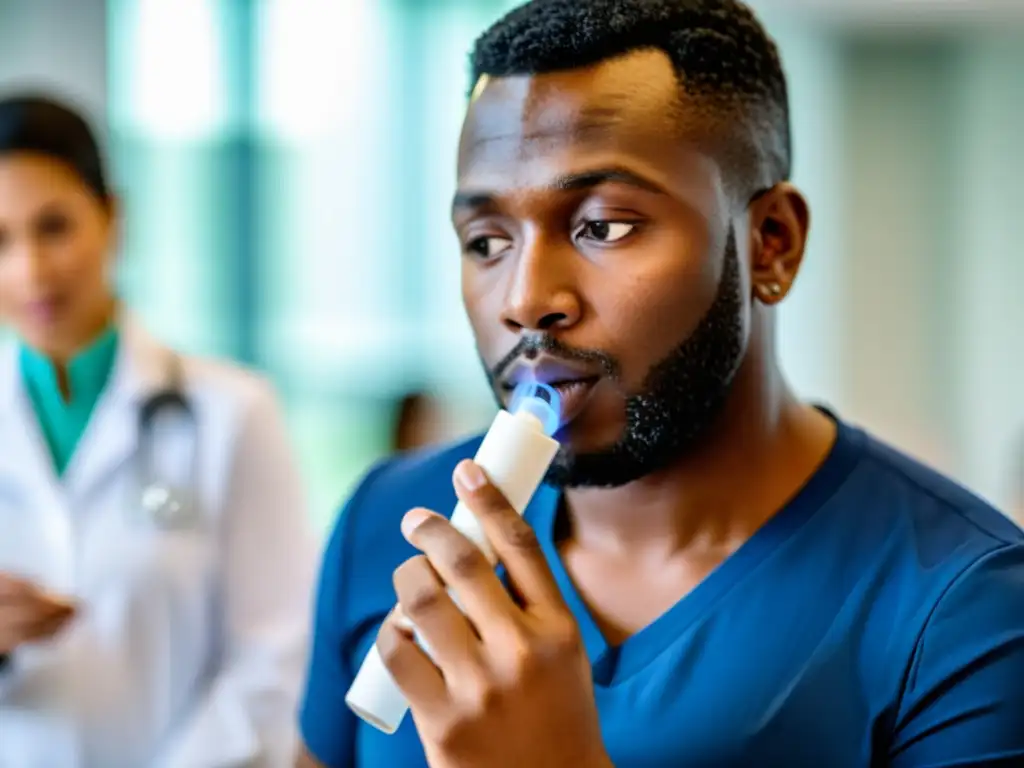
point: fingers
(47, 628)
(462, 566)
(33, 610)
(424, 601)
(14, 589)
(59, 602)
(31, 621)
(411, 668)
(513, 540)
(28, 614)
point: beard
(680, 397)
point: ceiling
(903, 12)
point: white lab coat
(189, 647)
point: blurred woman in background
(155, 565)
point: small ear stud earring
(774, 289)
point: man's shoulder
(421, 478)
(931, 503)
(919, 531)
(956, 604)
(370, 519)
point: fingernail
(470, 476)
(413, 519)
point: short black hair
(722, 55)
(40, 124)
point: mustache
(533, 344)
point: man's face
(599, 256)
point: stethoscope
(165, 503)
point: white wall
(812, 317)
(989, 209)
(896, 229)
(908, 142)
(56, 44)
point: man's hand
(510, 683)
(28, 614)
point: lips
(573, 381)
(574, 394)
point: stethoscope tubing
(169, 502)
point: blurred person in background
(419, 422)
(716, 574)
(154, 555)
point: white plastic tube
(515, 453)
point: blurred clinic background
(286, 168)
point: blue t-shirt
(876, 620)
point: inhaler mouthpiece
(540, 401)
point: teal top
(63, 421)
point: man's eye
(488, 247)
(606, 231)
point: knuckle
(563, 639)
(532, 655)
(422, 601)
(451, 735)
(418, 589)
(492, 499)
(520, 536)
(480, 700)
(522, 660)
(433, 527)
(528, 664)
(466, 560)
(452, 553)
(486, 702)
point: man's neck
(762, 449)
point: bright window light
(312, 64)
(177, 84)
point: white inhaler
(515, 453)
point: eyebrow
(569, 182)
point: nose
(542, 295)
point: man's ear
(779, 223)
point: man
(716, 574)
